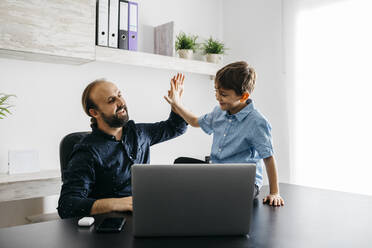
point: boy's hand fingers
(168, 100)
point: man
(98, 177)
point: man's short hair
(237, 76)
(87, 101)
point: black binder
(123, 24)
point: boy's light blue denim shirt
(244, 137)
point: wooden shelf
(50, 31)
(29, 185)
(156, 61)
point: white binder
(102, 22)
(113, 23)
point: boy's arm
(274, 197)
(188, 116)
(174, 100)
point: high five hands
(176, 90)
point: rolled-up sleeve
(79, 178)
(262, 140)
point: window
(332, 112)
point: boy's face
(228, 99)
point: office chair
(66, 146)
(65, 149)
(188, 160)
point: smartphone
(111, 224)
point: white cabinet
(59, 31)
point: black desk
(310, 218)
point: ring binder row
(117, 24)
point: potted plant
(4, 105)
(214, 50)
(186, 45)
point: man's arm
(107, 205)
(161, 131)
(79, 179)
(274, 197)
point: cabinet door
(60, 31)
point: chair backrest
(66, 146)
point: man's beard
(116, 121)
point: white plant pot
(185, 53)
(214, 58)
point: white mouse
(86, 221)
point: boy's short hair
(237, 76)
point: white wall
(253, 31)
(48, 96)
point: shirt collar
(243, 112)
(101, 133)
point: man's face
(227, 98)
(111, 106)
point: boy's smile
(229, 100)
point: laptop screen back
(192, 199)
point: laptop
(192, 199)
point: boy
(241, 134)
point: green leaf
(4, 105)
(184, 41)
(213, 46)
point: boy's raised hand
(176, 90)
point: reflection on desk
(310, 218)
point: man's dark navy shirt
(100, 165)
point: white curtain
(328, 68)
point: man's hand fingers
(177, 82)
(171, 84)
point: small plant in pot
(4, 105)
(214, 50)
(186, 45)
